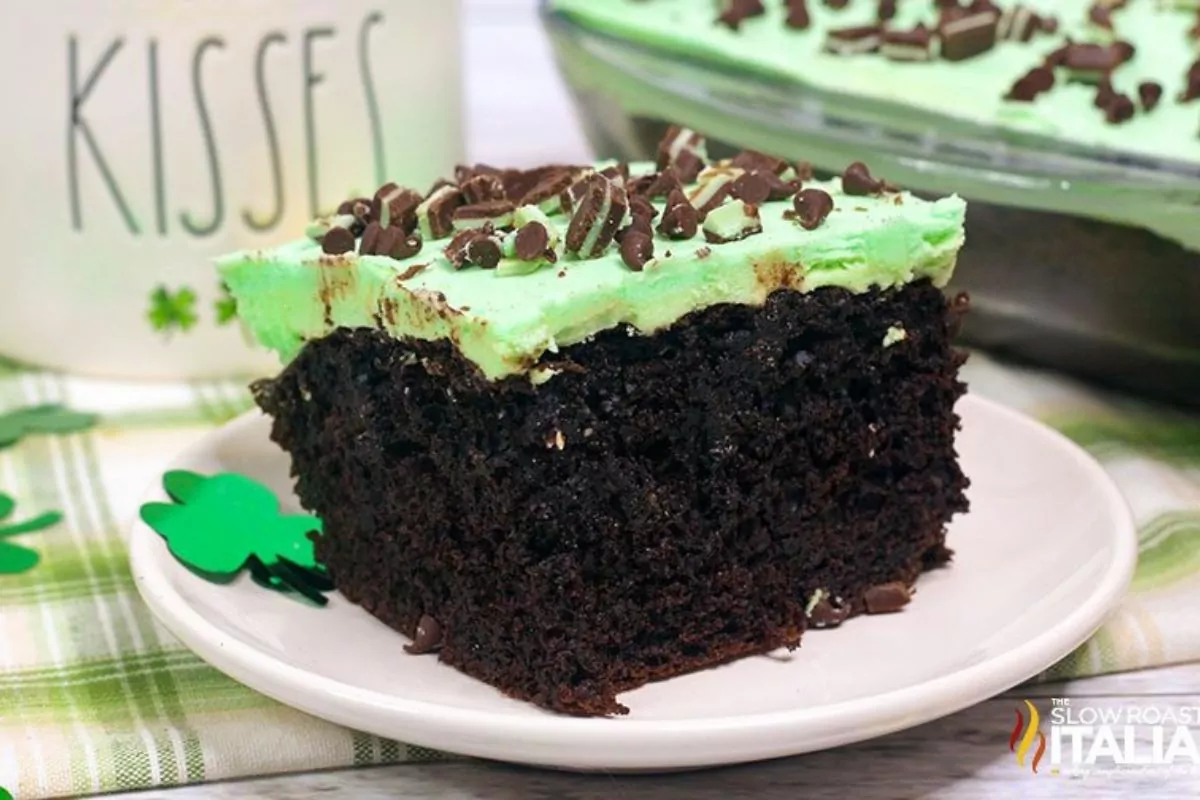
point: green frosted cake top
(579, 253)
(965, 64)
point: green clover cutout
(222, 524)
(170, 310)
(50, 418)
(15, 559)
(225, 306)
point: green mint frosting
(970, 91)
(505, 323)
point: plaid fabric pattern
(97, 697)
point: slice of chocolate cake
(575, 429)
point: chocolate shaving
(427, 639)
(636, 249)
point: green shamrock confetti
(171, 310)
(225, 306)
(222, 524)
(15, 559)
(52, 418)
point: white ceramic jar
(142, 138)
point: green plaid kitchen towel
(95, 696)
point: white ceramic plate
(1047, 550)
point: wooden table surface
(965, 755)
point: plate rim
(627, 742)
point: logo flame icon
(1022, 744)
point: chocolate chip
(829, 612)
(428, 637)
(812, 206)
(641, 207)
(679, 221)
(858, 182)
(360, 209)
(636, 249)
(885, 10)
(965, 35)
(1120, 109)
(457, 250)
(754, 161)
(752, 187)
(392, 242)
(797, 15)
(483, 252)
(804, 170)
(887, 598)
(482, 189)
(1031, 84)
(532, 241)
(1104, 94)
(855, 40)
(337, 241)
(777, 188)
(683, 149)
(734, 12)
(1192, 85)
(1150, 92)
(595, 221)
(1100, 16)
(664, 183)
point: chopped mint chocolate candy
(664, 183)
(734, 12)
(912, 45)
(812, 206)
(1091, 63)
(497, 213)
(456, 250)
(885, 10)
(640, 207)
(597, 216)
(967, 34)
(618, 174)
(680, 220)
(436, 213)
(636, 249)
(1031, 84)
(797, 15)
(732, 222)
(857, 181)
(548, 193)
(482, 189)
(714, 186)
(855, 40)
(395, 205)
(685, 150)
(360, 209)
(1150, 93)
(1020, 23)
(392, 242)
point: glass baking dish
(1083, 260)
